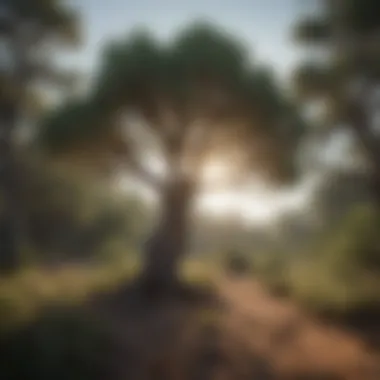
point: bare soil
(247, 335)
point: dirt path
(251, 336)
(293, 344)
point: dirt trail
(294, 344)
(251, 336)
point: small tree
(199, 95)
(27, 29)
(347, 33)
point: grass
(46, 326)
(315, 285)
(32, 289)
(54, 336)
(198, 272)
(321, 287)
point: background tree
(345, 71)
(28, 30)
(71, 219)
(199, 96)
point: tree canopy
(199, 85)
(42, 18)
(348, 76)
(29, 30)
(349, 33)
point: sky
(266, 28)
(265, 25)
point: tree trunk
(360, 122)
(11, 103)
(168, 242)
(359, 114)
(8, 239)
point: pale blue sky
(264, 24)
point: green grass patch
(26, 293)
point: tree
(347, 34)
(68, 218)
(28, 29)
(200, 96)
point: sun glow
(214, 172)
(248, 199)
(255, 203)
(248, 207)
(223, 171)
(218, 199)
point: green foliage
(67, 121)
(26, 27)
(339, 274)
(347, 30)
(313, 80)
(362, 17)
(201, 74)
(139, 66)
(25, 295)
(73, 219)
(357, 242)
(53, 16)
(317, 30)
(46, 23)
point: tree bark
(168, 242)
(10, 107)
(359, 117)
(361, 125)
(9, 259)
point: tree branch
(360, 123)
(143, 174)
(50, 74)
(123, 150)
(173, 122)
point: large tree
(29, 32)
(199, 96)
(344, 71)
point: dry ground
(249, 335)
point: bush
(339, 276)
